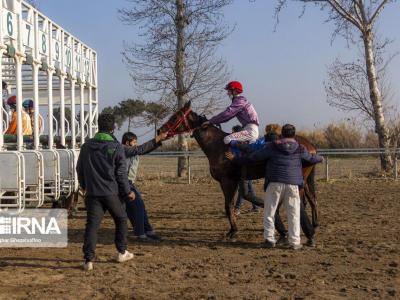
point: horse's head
(183, 121)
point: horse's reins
(171, 129)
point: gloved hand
(205, 124)
(131, 196)
(233, 144)
(230, 155)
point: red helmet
(234, 86)
(12, 100)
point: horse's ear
(188, 104)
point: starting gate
(43, 62)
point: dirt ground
(357, 254)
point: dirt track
(357, 257)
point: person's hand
(205, 124)
(229, 155)
(161, 137)
(132, 196)
(234, 143)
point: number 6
(10, 28)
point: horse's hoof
(231, 236)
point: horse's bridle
(182, 120)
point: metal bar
(73, 120)
(395, 168)
(82, 120)
(36, 122)
(189, 169)
(20, 138)
(62, 111)
(2, 108)
(50, 108)
(90, 120)
(327, 168)
(96, 93)
(322, 152)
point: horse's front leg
(229, 188)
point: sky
(282, 71)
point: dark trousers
(306, 226)
(96, 207)
(137, 214)
(245, 187)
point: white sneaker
(124, 257)
(88, 266)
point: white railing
(326, 153)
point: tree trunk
(180, 24)
(376, 99)
(155, 128)
(129, 123)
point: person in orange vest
(26, 120)
(28, 107)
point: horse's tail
(311, 195)
(311, 181)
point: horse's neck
(211, 142)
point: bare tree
(355, 20)
(177, 57)
(347, 87)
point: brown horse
(210, 140)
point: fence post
(327, 168)
(395, 167)
(189, 169)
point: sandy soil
(357, 256)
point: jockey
(29, 109)
(272, 133)
(26, 120)
(243, 110)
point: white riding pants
(290, 196)
(248, 134)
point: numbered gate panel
(76, 182)
(12, 180)
(51, 161)
(30, 32)
(66, 171)
(34, 178)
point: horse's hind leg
(229, 188)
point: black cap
(288, 131)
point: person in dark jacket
(283, 174)
(101, 170)
(245, 186)
(136, 210)
(273, 133)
